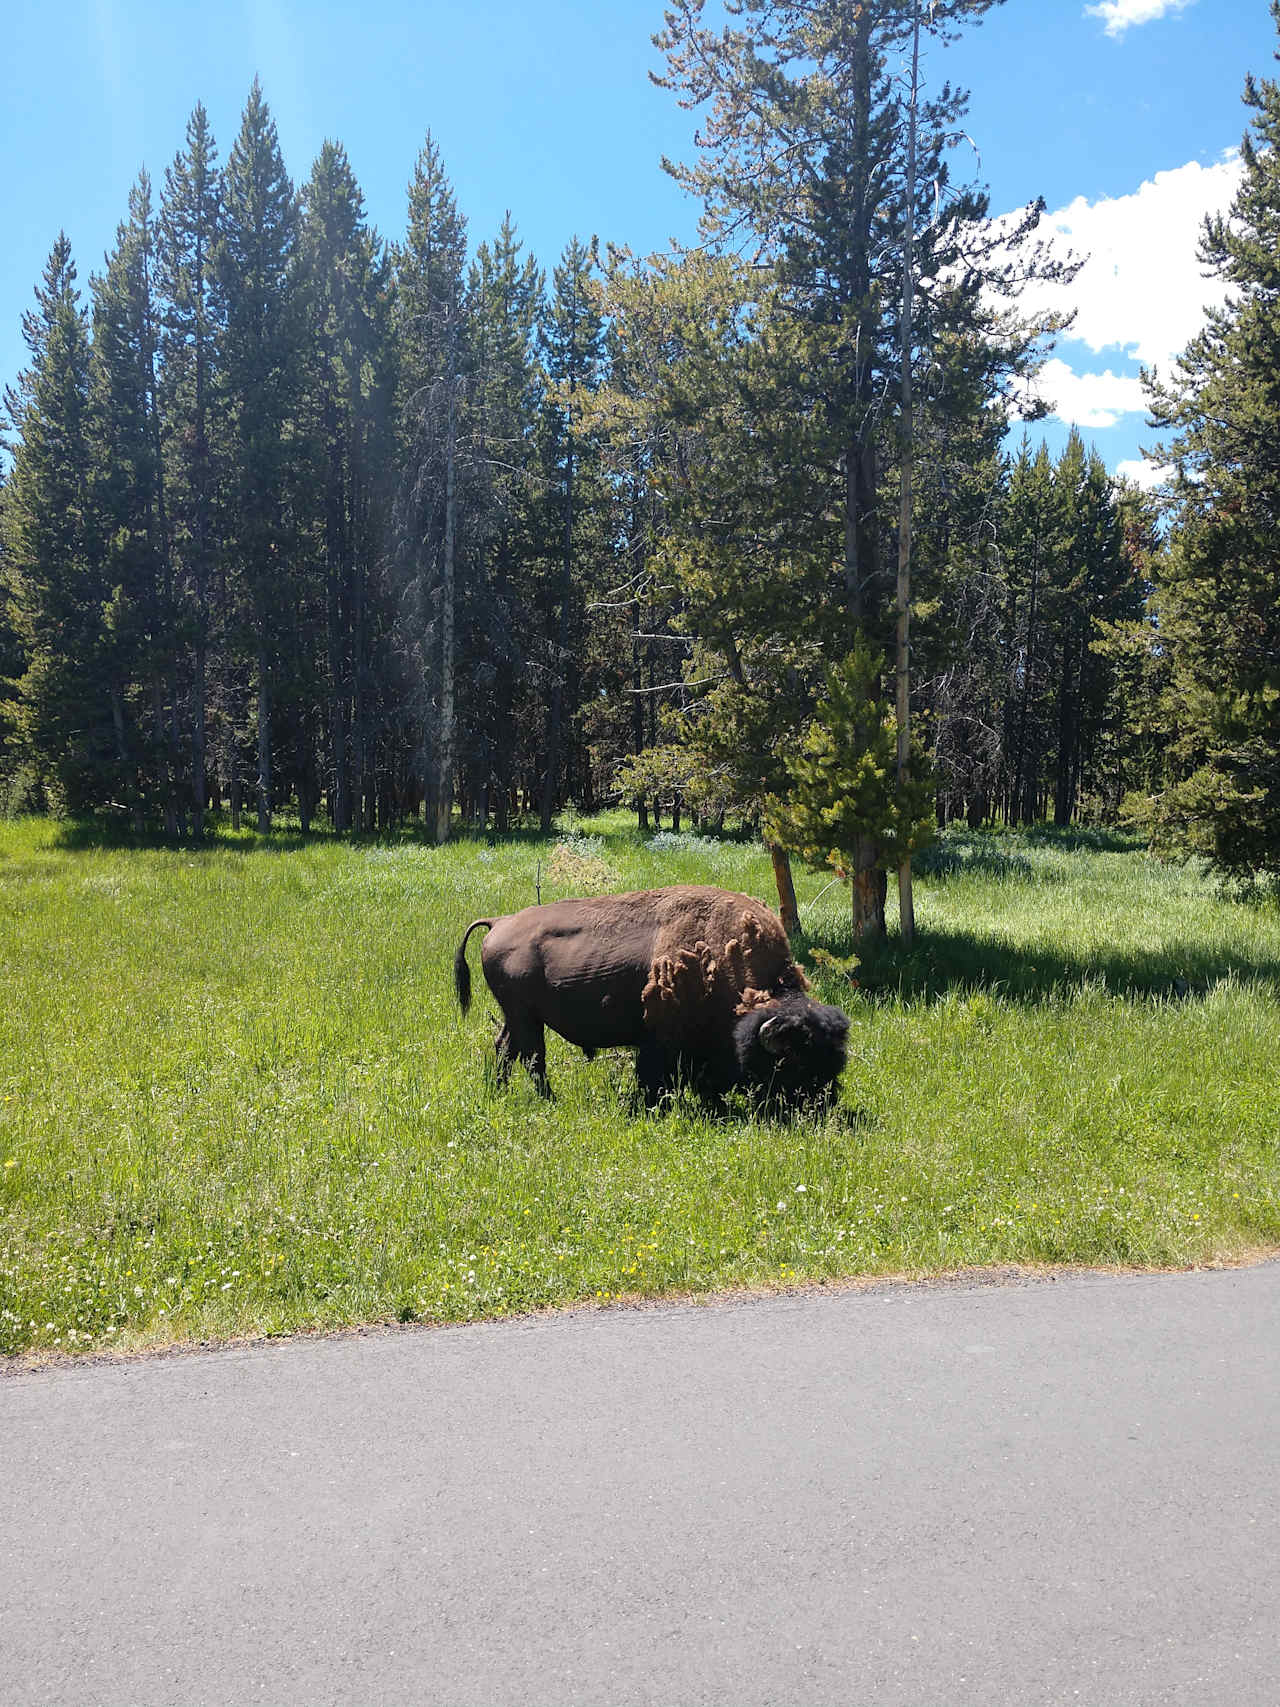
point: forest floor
(237, 1097)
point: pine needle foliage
(1219, 598)
(844, 788)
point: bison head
(792, 1049)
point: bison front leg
(657, 1070)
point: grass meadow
(236, 1095)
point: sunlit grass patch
(236, 1095)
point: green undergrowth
(236, 1096)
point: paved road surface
(1063, 1492)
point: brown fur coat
(716, 954)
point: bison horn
(770, 1036)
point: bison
(700, 982)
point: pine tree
(1219, 592)
(573, 338)
(260, 382)
(431, 335)
(1032, 540)
(190, 343)
(1096, 584)
(846, 783)
(127, 475)
(749, 560)
(69, 710)
(960, 665)
(627, 621)
(504, 306)
(1126, 765)
(345, 282)
(807, 146)
(13, 664)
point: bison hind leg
(505, 1054)
(524, 1041)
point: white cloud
(1141, 289)
(1147, 475)
(1095, 400)
(1140, 293)
(1120, 15)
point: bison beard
(701, 982)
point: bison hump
(679, 998)
(695, 989)
(757, 961)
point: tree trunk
(444, 749)
(861, 566)
(1023, 781)
(159, 745)
(562, 635)
(198, 715)
(359, 733)
(906, 903)
(337, 708)
(788, 911)
(264, 743)
(869, 886)
(1066, 734)
(336, 536)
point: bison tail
(461, 971)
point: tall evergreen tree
(1219, 593)
(431, 336)
(1033, 539)
(573, 340)
(1097, 584)
(960, 664)
(190, 343)
(260, 380)
(738, 538)
(504, 306)
(69, 712)
(12, 668)
(639, 444)
(345, 282)
(128, 492)
(806, 145)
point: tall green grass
(236, 1095)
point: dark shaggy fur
(802, 1054)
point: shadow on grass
(1009, 855)
(945, 960)
(988, 853)
(112, 833)
(1074, 838)
(84, 835)
(957, 857)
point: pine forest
(301, 523)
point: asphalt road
(1057, 1492)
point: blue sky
(1121, 114)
